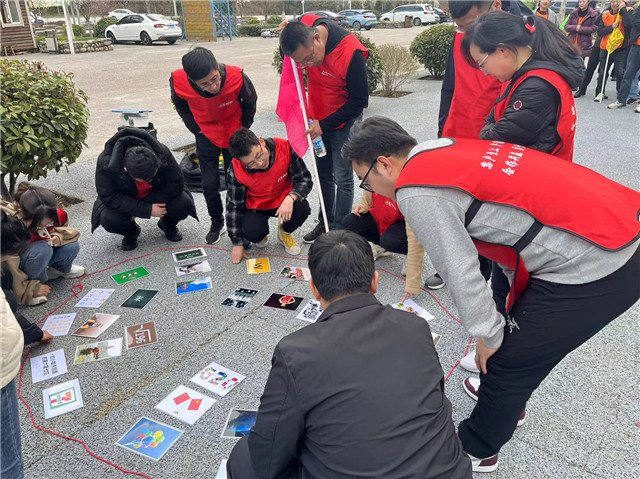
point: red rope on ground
(76, 289)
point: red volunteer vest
(557, 194)
(473, 96)
(566, 115)
(267, 190)
(219, 116)
(327, 83)
(384, 211)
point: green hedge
(250, 30)
(253, 21)
(274, 20)
(431, 48)
(78, 31)
(101, 26)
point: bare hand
(360, 210)
(282, 25)
(483, 353)
(577, 28)
(55, 241)
(314, 130)
(408, 295)
(614, 24)
(158, 210)
(237, 253)
(286, 210)
(46, 337)
(44, 290)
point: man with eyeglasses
(213, 100)
(266, 179)
(338, 92)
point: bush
(44, 121)
(101, 26)
(253, 21)
(374, 66)
(78, 31)
(432, 47)
(397, 66)
(250, 30)
(274, 20)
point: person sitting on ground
(15, 241)
(378, 220)
(266, 179)
(138, 177)
(53, 246)
(359, 393)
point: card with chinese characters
(141, 335)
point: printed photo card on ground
(186, 404)
(149, 438)
(217, 379)
(91, 352)
(239, 423)
(311, 311)
(140, 335)
(139, 299)
(62, 398)
(194, 285)
(96, 325)
(240, 298)
(130, 275)
(191, 268)
(296, 272)
(188, 254)
(258, 265)
(283, 301)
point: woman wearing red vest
(572, 256)
(539, 67)
(266, 179)
(213, 100)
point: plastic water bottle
(318, 145)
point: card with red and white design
(186, 404)
(217, 379)
(61, 399)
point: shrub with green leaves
(101, 26)
(78, 31)
(44, 121)
(250, 30)
(431, 48)
(253, 21)
(374, 65)
(274, 20)
(397, 65)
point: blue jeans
(336, 174)
(630, 78)
(40, 255)
(11, 448)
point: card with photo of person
(240, 298)
(191, 268)
(96, 325)
(296, 272)
(239, 423)
(88, 353)
(283, 301)
(188, 254)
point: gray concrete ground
(581, 421)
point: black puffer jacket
(117, 189)
(534, 124)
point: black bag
(193, 176)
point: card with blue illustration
(149, 438)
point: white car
(145, 29)
(422, 14)
(120, 13)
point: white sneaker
(488, 464)
(378, 251)
(637, 110)
(36, 300)
(75, 272)
(600, 96)
(263, 243)
(469, 362)
(615, 105)
(289, 243)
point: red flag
(194, 405)
(182, 398)
(288, 108)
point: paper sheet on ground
(149, 438)
(59, 324)
(412, 307)
(95, 298)
(48, 366)
(217, 379)
(61, 399)
(186, 404)
(311, 311)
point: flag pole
(314, 168)
(604, 77)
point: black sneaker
(247, 244)
(579, 93)
(130, 242)
(314, 234)
(171, 233)
(213, 236)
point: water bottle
(318, 145)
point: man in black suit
(360, 393)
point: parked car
(36, 20)
(339, 19)
(420, 13)
(360, 18)
(145, 29)
(443, 17)
(120, 13)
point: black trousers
(394, 238)
(255, 223)
(239, 464)
(592, 65)
(209, 156)
(500, 287)
(619, 61)
(549, 320)
(116, 222)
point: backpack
(193, 176)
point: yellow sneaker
(289, 243)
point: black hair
(198, 63)
(36, 204)
(341, 264)
(242, 142)
(460, 8)
(374, 137)
(141, 162)
(500, 29)
(15, 236)
(293, 35)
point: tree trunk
(563, 11)
(7, 193)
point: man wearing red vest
(213, 100)
(571, 256)
(266, 179)
(338, 92)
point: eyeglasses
(203, 85)
(258, 159)
(363, 184)
(481, 62)
(310, 60)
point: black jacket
(534, 124)
(117, 189)
(626, 18)
(360, 393)
(635, 26)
